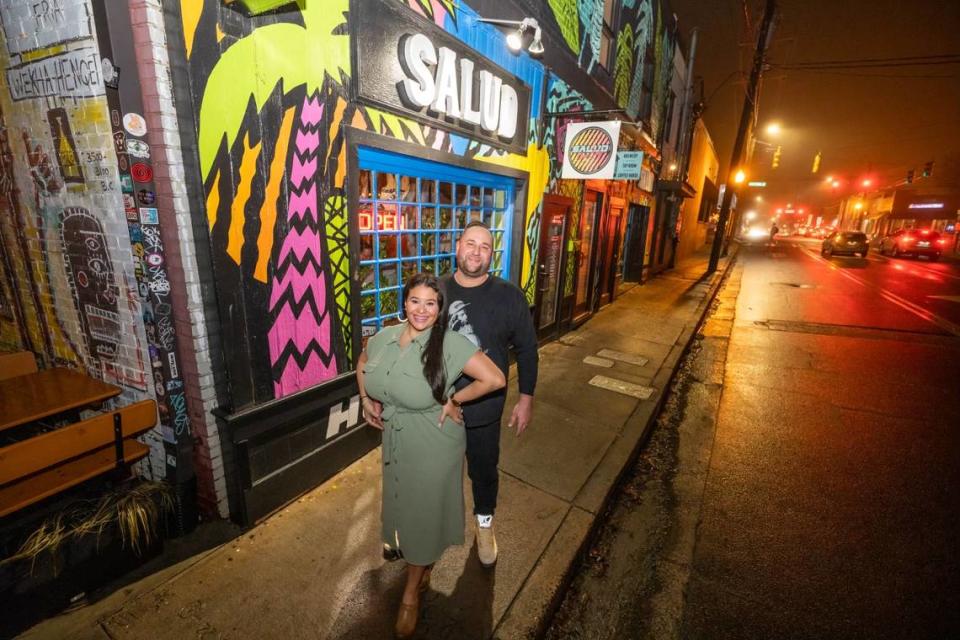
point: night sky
(877, 122)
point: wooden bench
(19, 363)
(44, 465)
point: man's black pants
(483, 456)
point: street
(805, 485)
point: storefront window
(410, 214)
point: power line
(871, 75)
(860, 60)
(871, 65)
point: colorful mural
(270, 148)
(270, 155)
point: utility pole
(749, 105)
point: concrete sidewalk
(313, 570)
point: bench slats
(21, 494)
(19, 363)
(33, 455)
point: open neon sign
(386, 221)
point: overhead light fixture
(515, 38)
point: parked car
(845, 243)
(916, 242)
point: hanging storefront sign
(409, 65)
(590, 151)
(628, 165)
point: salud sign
(590, 150)
(406, 64)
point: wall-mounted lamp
(515, 38)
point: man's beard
(482, 269)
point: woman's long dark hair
(432, 357)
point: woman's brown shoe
(406, 620)
(424, 585)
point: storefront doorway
(550, 267)
(634, 245)
(611, 248)
(586, 237)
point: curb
(533, 608)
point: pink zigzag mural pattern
(299, 337)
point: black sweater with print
(496, 317)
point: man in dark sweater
(494, 314)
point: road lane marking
(903, 303)
(916, 265)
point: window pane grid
(412, 223)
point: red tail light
(908, 239)
(942, 242)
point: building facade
(250, 191)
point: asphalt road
(816, 496)
(927, 291)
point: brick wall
(182, 237)
(70, 287)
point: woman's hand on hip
(452, 411)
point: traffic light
(910, 176)
(776, 158)
(927, 169)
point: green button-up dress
(423, 511)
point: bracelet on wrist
(455, 402)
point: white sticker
(138, 148)
(135, 124)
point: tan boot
(406, 621)
(486, 546)
(424, 585)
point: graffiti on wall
(92, 278)
(72, 277)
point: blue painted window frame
(473, 194)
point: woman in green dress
(406, 375)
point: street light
(867, 182)
(739, 177)
(773, 128)
(758, 199)
(835, 184)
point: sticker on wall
(122, 161)
(129, 202)
(134, 124)
(132, 215)
(126, 183)
(64, 146)
(110, 73)
(591, 150)
(119, 142)
(115, 117)
(141, 172)
(138, 148)
(146, 197)
(154, 259)
(149, 215)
